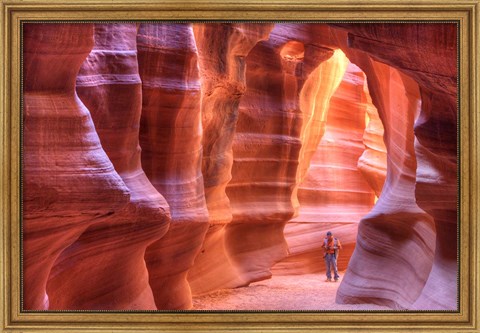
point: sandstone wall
(333, 195)
(109, 85)
(290, 79)
(222, 50)
(171, 141)
(430, 66)
(165, 160)
(68, 180)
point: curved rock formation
(277, 120)
(333, 195)
(396, 221)
(373, 162)
(426, 52)
(170, 137)
(222, 49)
(436, 192)
(229, 118)
(109, 85)
(69, 182)
(431, 62)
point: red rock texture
(425, 52)
(373, 162)
(171, 141)
(109, 85)
(273, 126)
(69, 182)
(222, 49)
(436, 192)
(333, 195)
(409, 227)
(415, 232)
(223, 133)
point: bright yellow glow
(293, 50)
(337, 66)
(315, 101)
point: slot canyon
(167, 161)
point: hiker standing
(331, 246)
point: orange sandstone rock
(437, 193)
(431, 62)
(171, 141)
(277, 120)
(105, 267)
(69, 182)
(222, 50)
(333, 194)
(242, 129)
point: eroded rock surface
(109, 85)
(333, 194)
(191, 146)
(69, 182)
(431, 63)
(171, 141)
(222, 49)
(276, 125)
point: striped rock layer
(166, 160)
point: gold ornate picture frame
(16, 12)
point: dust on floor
(296, 292)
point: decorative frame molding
(466, 12)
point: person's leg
(328, 259)
(335, 270)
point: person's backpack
(335, 245)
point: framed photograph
(257, 166)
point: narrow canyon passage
(306, 292)
(199, 166)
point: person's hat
(329, 233)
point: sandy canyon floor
(296, 292)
